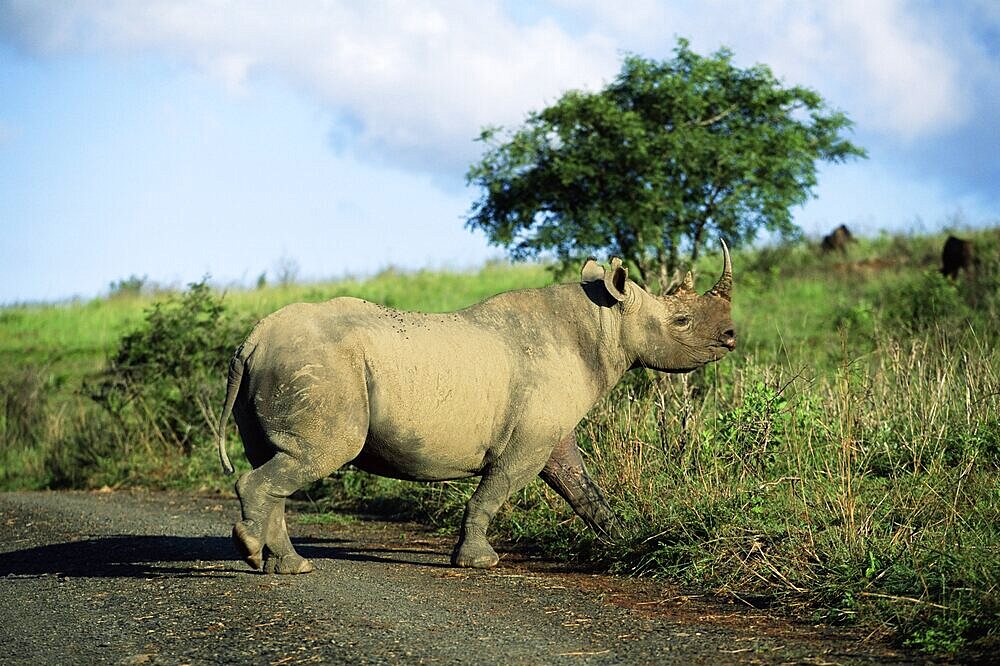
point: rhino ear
(615, 281)
(591, 271)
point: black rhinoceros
(494, 390)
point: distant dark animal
(957, 254)
(837, 240)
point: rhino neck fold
(600, 338)
(559, 331)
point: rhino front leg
(564, 472)
(499, 482)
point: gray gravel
(151, 578)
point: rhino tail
(232, 389)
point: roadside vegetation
(841, 465)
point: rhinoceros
(495, 390)
(837, 240)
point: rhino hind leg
(279, 554)
(261, 536)
(274, 554)
(565, 473)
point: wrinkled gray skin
(494, 390)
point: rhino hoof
(248, 545)
(474, 558)
(288, 564)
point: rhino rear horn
(684, 286)
(724, 287)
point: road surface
(152, 578)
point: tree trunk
(696, 242)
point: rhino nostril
(729, 339)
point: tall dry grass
(869, 491)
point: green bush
(129, 287)
(919, 304)
(91, 453)
(25, 414)
(980, 287)
(167, 376)
(24, 399)
(748, 433)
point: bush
(168, 375)
(24, 420)
(748, 433)
(129, 287)
(921, 303)
(23, 407)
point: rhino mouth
(727, 340)
(723, 347)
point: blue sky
(180, 138)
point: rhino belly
(425, 451)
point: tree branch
(717, 117)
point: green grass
(842, 464)
(68, 340)
(72, 340)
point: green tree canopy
(667, 156)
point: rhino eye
(681, 320)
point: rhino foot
(287, 564)
(248, 545)
(474, 556)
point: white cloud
(903, 69)
(421, 80)
(910, 76)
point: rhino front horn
(724, 287)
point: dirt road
(139, 578)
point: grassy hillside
(841, 464)
(70, 341)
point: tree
(667, 156)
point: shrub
(23, 407)
(918, 304)
(167, 376)
(127, 287)
(748, 433)
(25, 415)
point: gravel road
(151, 578)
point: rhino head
(677, 332)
